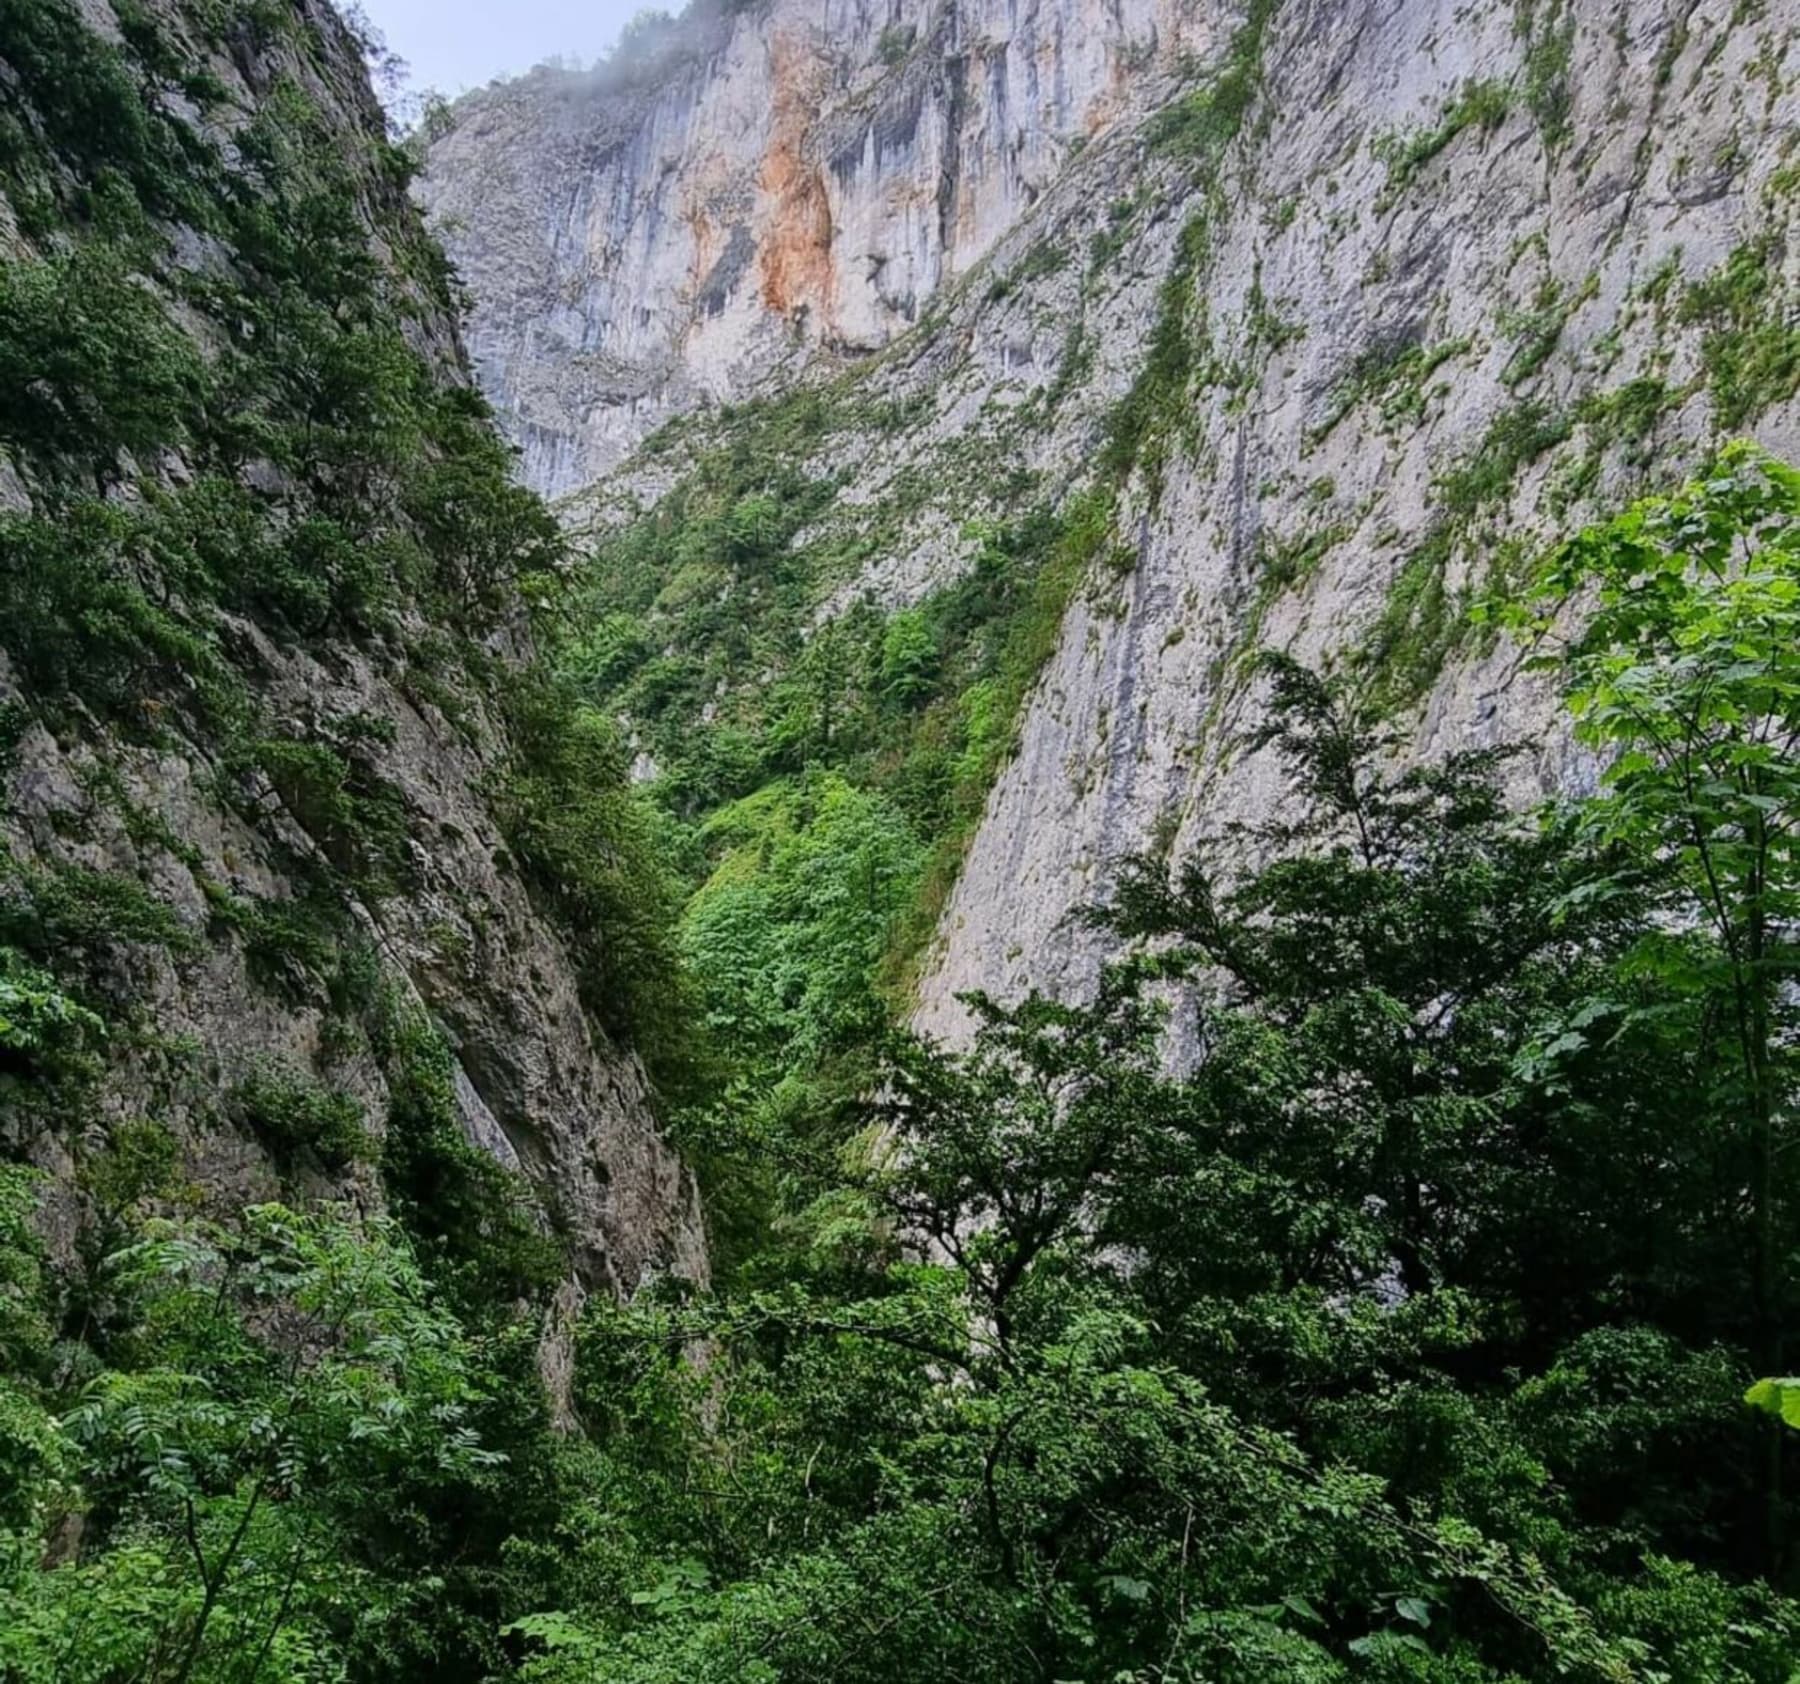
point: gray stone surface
(907, 221)
(537, 1082)
(791, 181)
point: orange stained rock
(795, 249)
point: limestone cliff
(254, 655)
(1336, 309)
(749, 188)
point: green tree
(1082, 1372)
(89, 363)
(908, 656)
(271, 1381)
(1685, 679)
(785, 936)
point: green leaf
(1780, 1398)
(1128, 1589)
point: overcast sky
(451, 45)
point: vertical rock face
(190, 842)
(749, 189)
(1342, 308)
(1471, 274)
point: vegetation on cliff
(1405, 1337)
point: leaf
(1383, 1643)
(1128, 1589)
(1413, 1608)
(554, 1630)
(1780, 1398)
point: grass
(1202, 123)
(1481, 106)
(1397, 377)
(1422, 620)
(1750, 341)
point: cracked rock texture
(536, 1081)
(743, 193)
(1445, 279)
(1302, 501)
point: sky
(452, 45)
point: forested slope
(1070, 352)
(373, 847)
(282, 909)
(276, 771)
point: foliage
(332, 792)
(25, 1328)
(1514, 438)
(1537, 330)
(79, 622)
(894, 43)
(819, 774)
(88, 363)
(225, 397)
(1203, 122)
(1547, 28)
(92, 111)
(786, 935)
(241, 471)
(1139, 429)
(1749, 346)
(42, 1030)
(1780, 1398)
(1402, 1333)
(274, 1376)
(296, 1114)
(1395, 376)
(60, 914)
(1687, 679)
(588, 849)
(1423, 619)
(1482, 106)
(472, 1222)
(1387, 1338)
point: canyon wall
(252, 671)
(743, 194)
(1338, 310)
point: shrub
(1750, 346)
(588, 853)
(1202, 123)
(80, 624)
(895, 43)
(472, 1219)
(93, 109)
(89, 364)
(294, 1114)
(1478, 105)
(355, 816)
(60, 913)
(44, 1033)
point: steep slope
(363, 838)
(1309, 350)
(273, 910)
(746, 188)
(1472, 279)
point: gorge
(1338, 309)
(934, 840)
